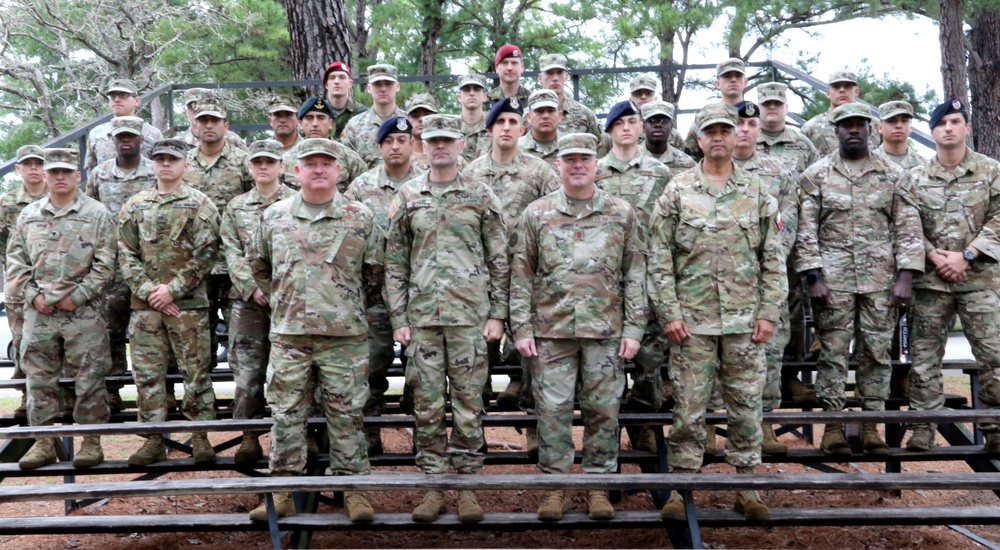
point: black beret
(622, 108)
(747, 109)
(505, 105)
(393, 125)
(953, 105)
(314, 104)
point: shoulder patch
(393, 208)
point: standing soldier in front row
(446, 283)
(958, 192)
(716, 279)
(60, 259)
(316, 254)
(248, 327)
(168, 240)
(578, 311)
(858, 246)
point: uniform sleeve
(788, 208)
(373, 262)
(523, 263)
(807, 238)
(90, 188)
(91, 160)
(660, 279)
(260, 257)
(350, 135)
(494, 235)
(19, 280)
(206, 247)
(399, 243)
(988, 239)
(5, 232)
(634, 275)
(550, 179)
(130, 260)
(237, 261)
(773, 286)
(104, 265)
(907, 229)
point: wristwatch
(813, 277)
(969, 255)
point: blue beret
(953, 105)
(622, 108)
(747, 109)
(314, 104)
(393, 125)
(505, 105)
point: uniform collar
(333, 210)
(737, 180)
(458, 185)
(594, 205)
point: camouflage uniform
(547, 151)
(100, 147)
(58, 252)
(639, 182)
(351, 166)
(789, 146)
(578, 288)
(232, 138)
(822, 132)
(578, 118)
(496, 94)
(675, 159)
(910, 160)
(478, 141)
(342, 116)
(716, 263)
(375, 190)
(248, 343)
(170, 239)
(359, 135)
(960, 208)
(446, 274)
(318, 328)
(861, 232)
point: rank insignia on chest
(393, 208)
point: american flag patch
(777, 221)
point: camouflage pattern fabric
(516, 184)
(100, 146)
(496, 94)
(342, 116)
(360, 132)
(910, 160)
(675, 159)
(231, 137)
(579, 118)
(351, 166)
(478, 141)
(375, 189)
(11, 205)
(545, 150)
(821, 131)
(789, 146)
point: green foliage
(876, 90)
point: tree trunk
(319, 35)
(984, 80)
(667, 78)
(433, 23)
(361, 30)
(953, 66)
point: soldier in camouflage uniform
(249, 346)
(639, 180)
(316, 120)
(657, 127)
(360, 132)
(642, 90)
(282, 117)
(375, 189)
(339, 87)
(716, 279)
(112, 183)
(784, 190)
(472, 96)
(517, 179)
(30, 159)
(192, 96)
(553, 74)
(542, 138)
(578, 311)
(958, 192)
(318, 331)
(821, 130)
(509, 65)
(731, 81)
(417, 107)
(60, 258)
(124, 100)
(894, 127)
(168, 241)
(446, 285)
(859, 243)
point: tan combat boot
(69, 402)
(749, 503)
(358, 508)
(91, 453)
(834, 442)
(647, 439)
(115, 402)
(871, 442)
(552, 507)
(201, 449)
(673, 509)
(798, 391)
(284, 506)
(42, 452)
(153, 450)
(598, 506)
(469, 510)
(710, 442)
(430, 508)
(922, 439)
(373, 439)
(531, 440)
(511, 395)
(171, 398)
(250, 449)
(771, 445)
(22, 410)
(312, 447)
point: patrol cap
(552, 61)
(393, 125)
(126, 125)
(380, 72)
(209, 107)
(334, 67)
(282, 104)
(730, 65)
(953, 105)
(422, 101)
(505, 105)
(772, 91)
(715, 113)
(542, 98)
(194, 95)
(505, 51)
(473, 79)
(269, 148)
(122, 85)
(173, 147)
(747, 109)
(26, 152)
(642, 82)
(449, 126)
(654, 108)
(851, 110)
(890, 109)
(844, 76)
(620, 109)
(317, 146)
(61, 158)
(577, 143)
(314, 104)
